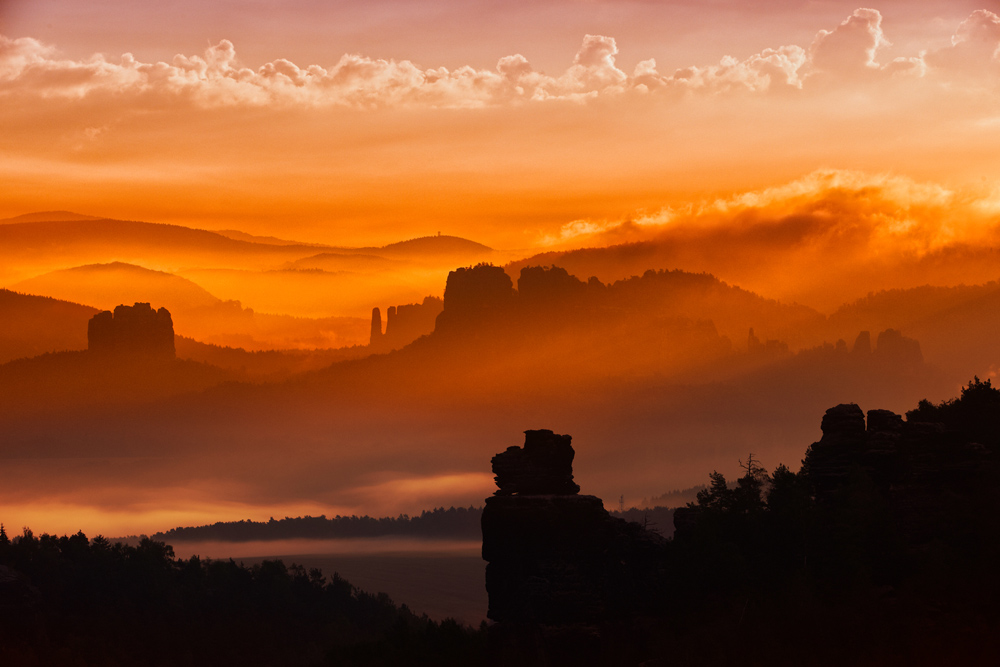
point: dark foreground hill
(881, 550)
(73, 601)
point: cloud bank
(814, 239)
(897, 214)
(849, 53)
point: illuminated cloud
(771, 68)
(851, 46)
(395, 495)
(887, 214)
(811, 240)
(975, 46)
(218, 79)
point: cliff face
(404, 324)
(555, 557)
(132, 331)
(475, 296)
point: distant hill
(905, 307)
(30, 248)
(107, 285)
(47, 216)
(430, 246)
(196, 312)
(263, 364)
(268, 240)
(91, 231)
(424, 246)
(79, 379)
(956, 325)
(765, 262)
(439, 523)
(344, 261)
(32, 325)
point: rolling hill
(30, 248)
(105, 286)
(47, 216)
(33, 325)
(196, 312)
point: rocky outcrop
(544, 466)
(549, 288)
(770, 347)
(135, 331)
(475, 296)
(410, 321)
(403, 324)
(862, 345)
(893, 348)
(909, 462)
(375, 339)
(557, 558)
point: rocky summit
(135, 331)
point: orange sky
(348, 125)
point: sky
(508, 123)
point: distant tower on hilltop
(132, 331)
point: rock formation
(550, 288)
(862, 345)
(475, 295)
(376, 334)
(557, 558)
(543, 467)
(910, 462)
(132, 332)
(404, 324)
(894, 348)
(770, 347)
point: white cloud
(851, 47)
(975, 46)
(31, 69)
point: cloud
(767, 70)
(813, 240)
(217, 78)
(850, 47)
(975, 46)
(396, 495)
(884, 213)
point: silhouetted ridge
(45, 216)
(540, 286)
(70, 600)
(437, 244)
(132, 331)
(881, 550)
(440, 523)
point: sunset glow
(367, 147)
